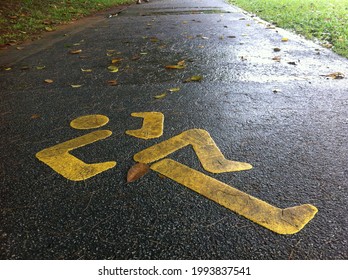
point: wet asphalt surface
(283, 117)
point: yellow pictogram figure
(204, 146)
(69, 166)
(282, 221)
(152, 125)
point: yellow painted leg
(204, 146)
(152, 125)
(282, 221)
(70, 167)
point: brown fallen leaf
(35, 116)
(137, 171)
(276, 49)
(276, 58)
(48, 81)
(112, 82)
(196, 78)
(174, 66)
(116, 60)
(75, 51)
(335, 75)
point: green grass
(324, 20)
(21, 20)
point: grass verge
(21, 20)
(323, 20)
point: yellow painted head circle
(89, 122)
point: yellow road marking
(152, 125)
(204, 146)
(89, 122)
(70, 167)
(282, 221)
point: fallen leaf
(269, 26)
(35, 116)
(276, 49)
(113, 68)
(181, 62)
(276, 58)
(160, 96)
(137, 171)
(112, 82)
(48, 81)
(174, 89)
(175, 67)
(76, 86)
(49, 29)
(196, 78)
(154, 39)
(7, 68)
(19, 48)
(86, 70)
(335, 75)
(179, 65)
(116, 60)
(284, 39)
(75, 51)
(40, 67)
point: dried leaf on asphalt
(35, 116)
(48, 81)
(175, 66)
(112, 82)
(86, 70)
(196, 78)
(179, 65)
(75, 51)
(174, 89)
(137, 171)
(76, 86)
(116, 60)
(335, 75)
(40, 67)
(160, 96)
(113, 68)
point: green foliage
(25, 19)
(325, 20)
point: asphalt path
(263, 96)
